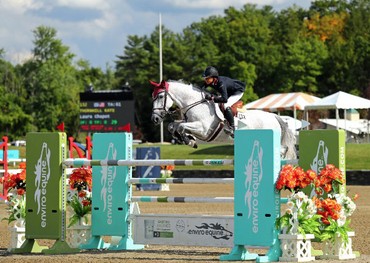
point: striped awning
(282, 101)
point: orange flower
(291, 178)
(328, 208)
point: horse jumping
(203, 120)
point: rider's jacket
(226, 87)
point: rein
(171, 113)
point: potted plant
(330, 224)
(16, 206)
(79, 201)
(166, 172)
(335, 210)
(79, 197)
(299, 223)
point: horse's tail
(288, 140)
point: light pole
(160, 62)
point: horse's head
(162, 101)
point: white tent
(339, 100)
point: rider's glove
(208, 96)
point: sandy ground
(175, 254)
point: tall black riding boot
(229, 116)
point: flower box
(165, 187)
(338, 249)
(296, 248)
(17, 237)
(77, 235)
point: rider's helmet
(210, 72)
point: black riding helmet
(210, 72)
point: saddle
(237, 106)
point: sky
(97, 30)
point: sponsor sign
(187, 230)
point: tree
(303, 65)
(14, 122)
(50, 81)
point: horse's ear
(164, 84)
(155, 84)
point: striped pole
(181, 181)
(169, 199)
(85, 162)
(208, 162)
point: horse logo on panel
(108, 174)
(42, 176)
(321, 159)
(253, 176)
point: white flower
(341, 220)
(289, 211)
(290, 204)
(301, 195)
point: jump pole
(112, 190)
(59, 150)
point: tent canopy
(340, 100)
(282, 101)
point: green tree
(14, 122)
(50, 81)
(303, 65)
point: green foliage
(333, 230)
(16, 209)
(306, 225)
(80, 212)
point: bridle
(171, 113)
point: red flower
(86, 202)
(15, 181)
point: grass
(357, 155)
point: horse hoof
(193, 144)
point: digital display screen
(110, 111)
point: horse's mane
(181, 81)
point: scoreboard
(106, 111)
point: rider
(230, 91)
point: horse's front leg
(189, 130)
(172, 128)
(178, 132)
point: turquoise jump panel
(257, 203)
(111, 192)
(110, 184)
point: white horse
(203, 120)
